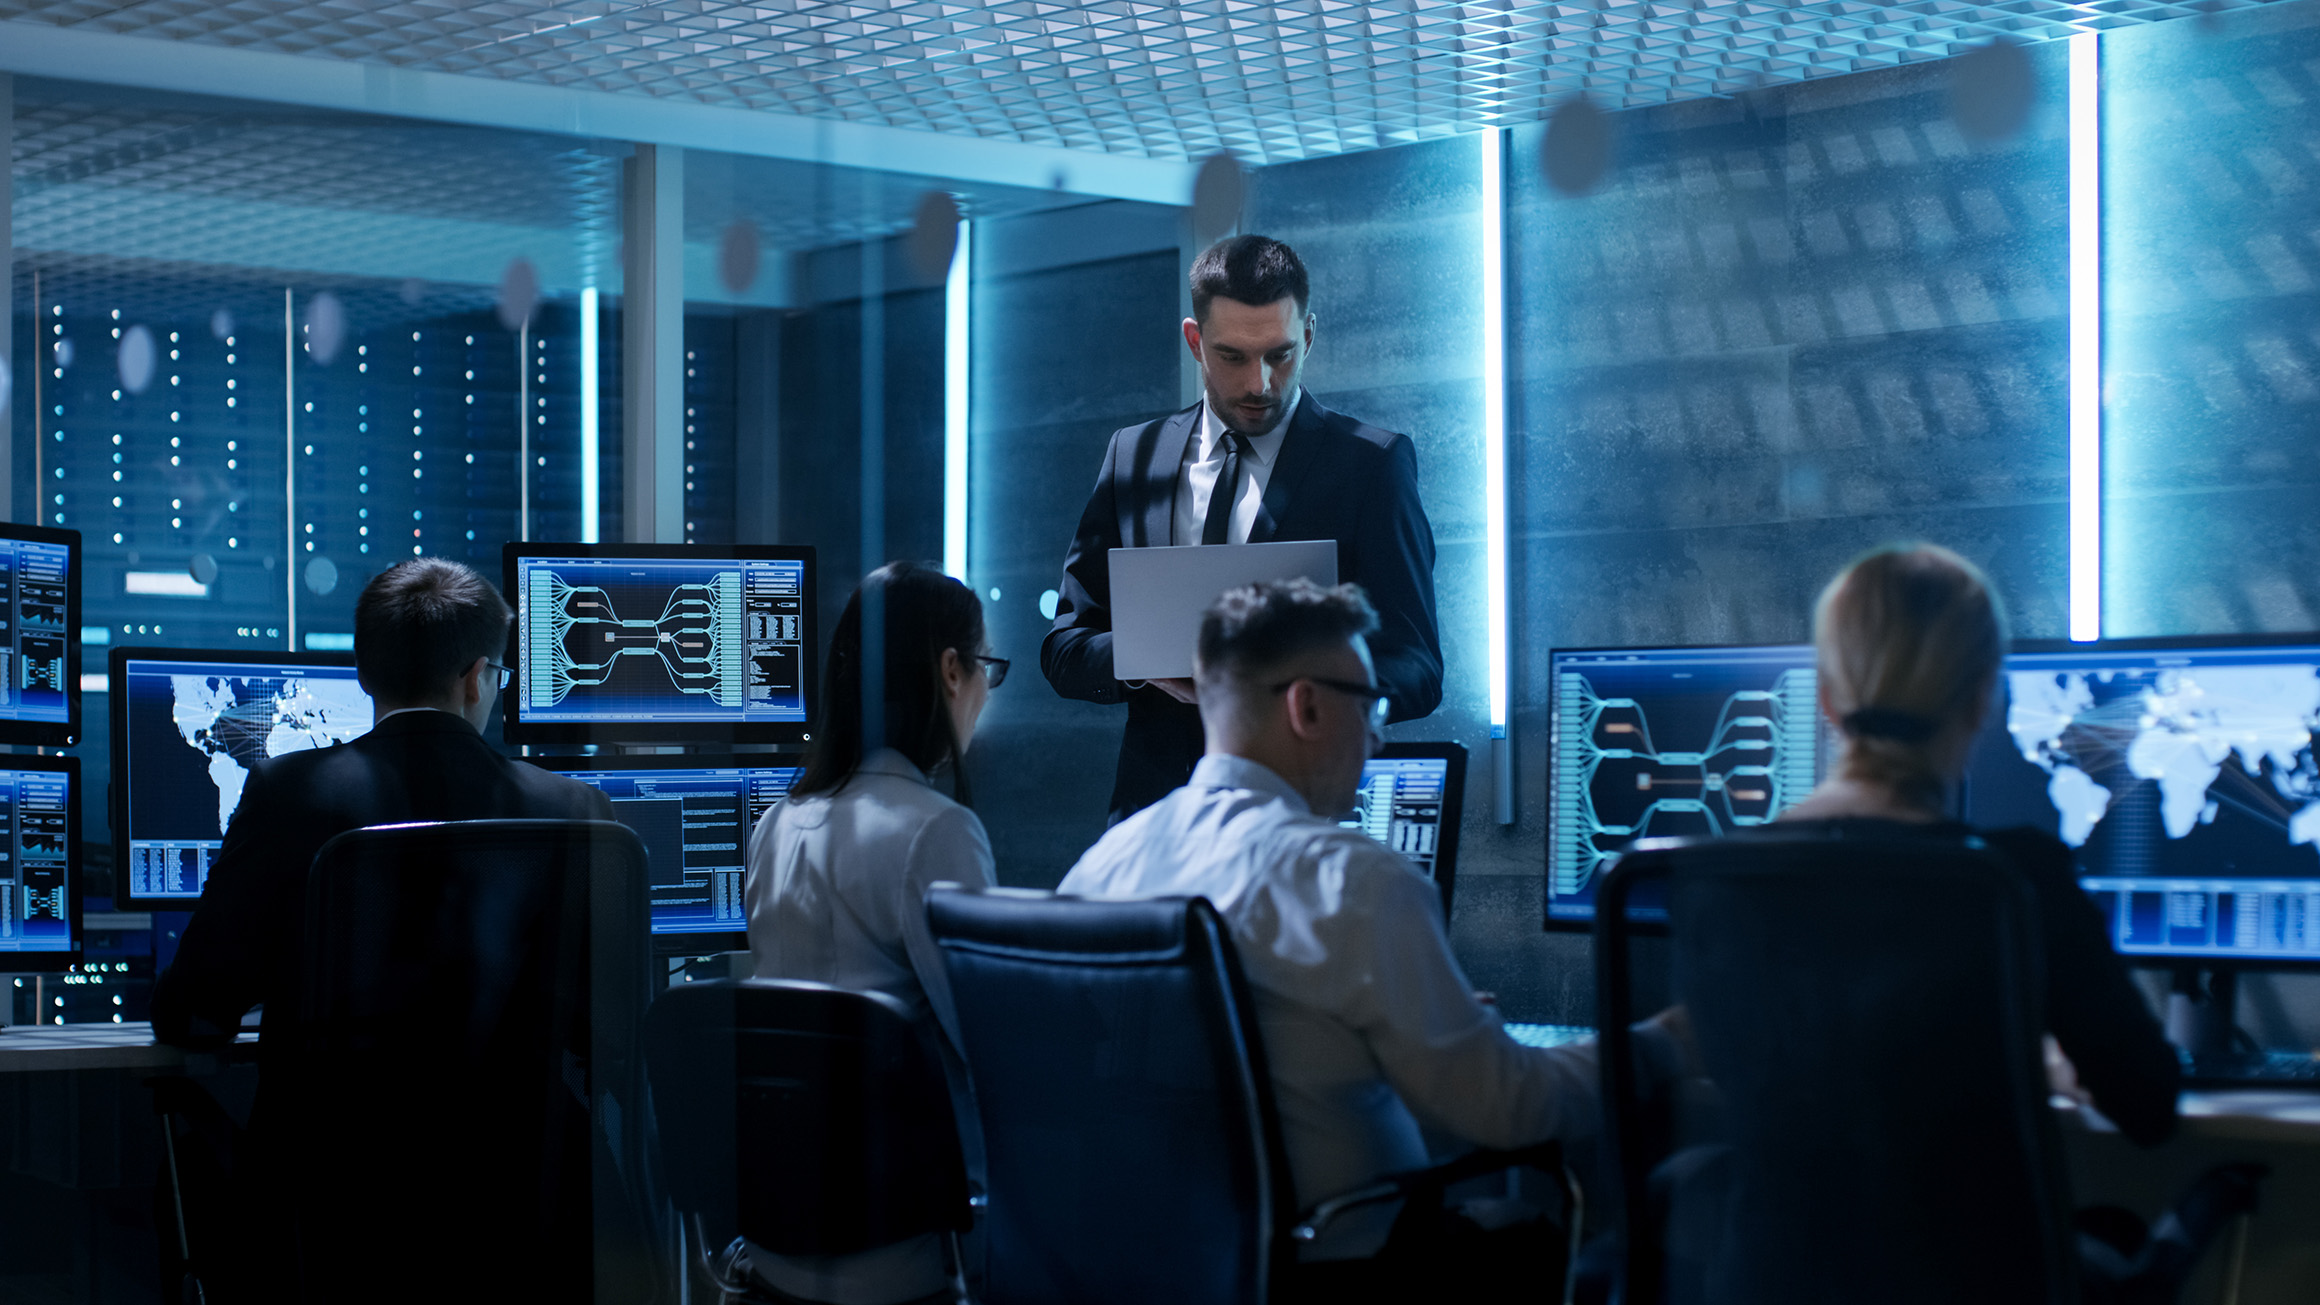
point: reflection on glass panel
(2212, 324)
(276, 350)
(1787, 327)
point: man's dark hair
(420, 623)
(1254, 270)
(1259, 626)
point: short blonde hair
(1907, 640)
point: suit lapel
(1149, 499)
(1298, 450)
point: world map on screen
(2093, 733)
(236, 721)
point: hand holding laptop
(1159, 594)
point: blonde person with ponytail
(1909, 640)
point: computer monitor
(1665, 742)
(661, 643)
(40, 863)
(1412, 796)
(694, 815)
(188, 726)
(2183, 774)
(40, 636)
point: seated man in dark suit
(427, 633)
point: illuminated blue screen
(660, 640)
(33, 576)
(1400, 805)
(36, 822)
(1658, 743)
(695, 824)
(2185, 781)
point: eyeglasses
(1379, 705)
(995, 668)
(507, 674)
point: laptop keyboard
(2288, 1069)
(1547, 1035)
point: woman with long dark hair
(838, 870)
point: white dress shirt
(835, 895)
(1369, 1025)
(1204, 458)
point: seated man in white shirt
(1370, 1028)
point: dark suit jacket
(1336, 479)
(244, 943)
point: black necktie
(1227, 488)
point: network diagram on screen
(694, 822)
(1669, 742)
(1400, 805)
(32, 653)
(194, 731)
(661, 640)
(34, 820)
(2184, 779)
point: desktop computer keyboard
(1547, 1035)
(2252, 1069)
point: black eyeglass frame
(507, 674)
(1380, 699)
(994, 668)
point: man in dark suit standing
(426, 636)
(1256, 460)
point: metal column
(652, 363)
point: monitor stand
(2201, 1009)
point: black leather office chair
(809, 1119)
(1864, 1112)
(1133, 1150)
(460, 1094)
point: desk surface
(27, 1048)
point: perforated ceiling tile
(1273, 82)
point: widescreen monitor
(40, 636)
(693, 814)
(2182, 773)
(40, 839)
(188, 728)
(1670, 742)
(661, 643)
(1411, 798)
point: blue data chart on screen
(694, 823)
(658, 640)
(35, 812)
(33, 654)
(1655, 743)
(2184, 780)
(1400, 805)
(192, 732)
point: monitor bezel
(786, 735)
(708, 943)
(1642, 926)
(2176, 643)
(56, 962)
(42, 733)
(117, 738)
(1453, 801)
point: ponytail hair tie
(1887, 723)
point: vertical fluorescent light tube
(2086, 417)
(956, 289)
(589, 398)
(1494, 464)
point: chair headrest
(1063, 930)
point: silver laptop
(1158, 595)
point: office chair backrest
(1867, 1007)
(464, 1071)
(1132, 1147)
(814, 1120)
